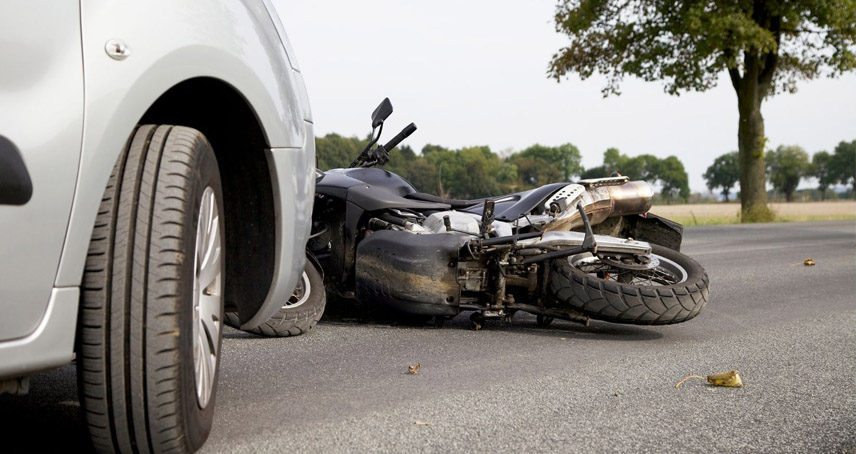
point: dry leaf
(808, 262)
(413, 369)
(730, 379)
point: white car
(156, 171)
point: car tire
(150, 323)
(299, 314)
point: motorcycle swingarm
(608, 244)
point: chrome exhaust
(601, 199)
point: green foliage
(723, 173)
(687, 44)
(764, 46)
(470, 172)
(669, 172)
(757, 213)
(844, 163)
(539, 165)
(821, 168)
(786, 166)
(334, 151)
(565, 158)
(595, 172)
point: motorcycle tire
(586, 284)
(297, 316)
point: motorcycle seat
(455, 203)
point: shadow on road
(350, 312)
(48, 419)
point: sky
(475, 73)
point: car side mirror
(381, 113)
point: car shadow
(48, 419)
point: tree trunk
(750, 137)
(725, 193)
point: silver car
(156, 173)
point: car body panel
(233, 41)
(50, 345)
(294, 176)
(41, 94)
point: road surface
(790, 330)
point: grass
(727, 213)
(723, 220)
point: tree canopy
(844, 163)
(822, 169)
(688, 44)
(668, 172)
(764, 47)
(475, 172)
(723, 173)
(787, 165)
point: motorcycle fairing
(412, 273)
(362, 190)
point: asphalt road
(788, 328)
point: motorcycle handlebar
(400, 136)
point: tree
(844, 162)
(594, 172)
(723, 173)
(334, 151)
(641, 167)
(670, 172)
(822, 169)
(470, 172)
(565, 158)
(764, 46)
(786, 166)
(533, 172)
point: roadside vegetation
(473, 172)
(765, 48)
(729, 213)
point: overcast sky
(474, 73)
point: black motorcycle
(570, 251)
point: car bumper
(50, 345)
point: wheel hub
(207, 296)
(632, 262)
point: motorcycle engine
(460, 222)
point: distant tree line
(473, 172)
(787, 166)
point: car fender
(233, 41)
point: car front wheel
(150, 323)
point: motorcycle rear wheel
(673, 290)
(299, 314)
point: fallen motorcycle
(571, 251)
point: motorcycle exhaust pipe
(599, 203)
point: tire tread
(622, 303)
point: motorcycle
(571, 251)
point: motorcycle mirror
(384, 109)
